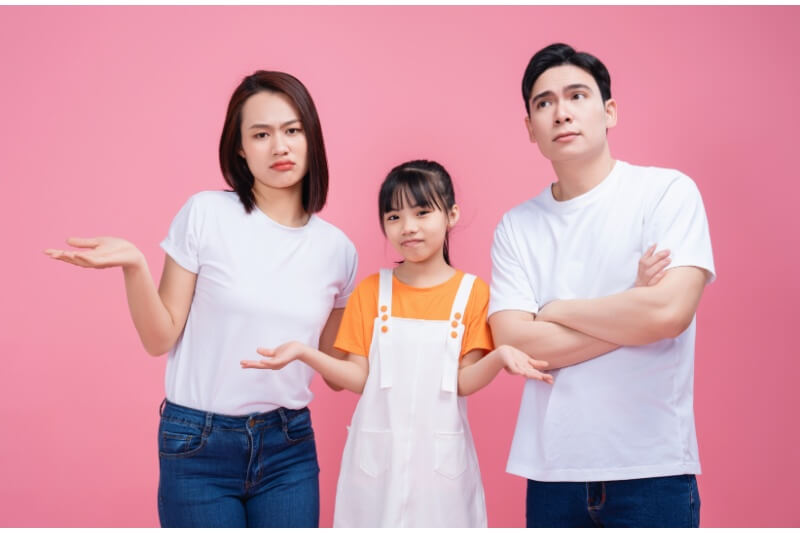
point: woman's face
(273, 141)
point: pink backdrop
(110, 118)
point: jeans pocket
(298, 427)
(179, 439)
(374, 451)
(450, 454)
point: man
(612, 443)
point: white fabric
(627, 414)
(259, 284)
(409, 459)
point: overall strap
(455, 334)
(385, 316)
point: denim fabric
(237, 471)
(671, 501)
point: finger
(650, 251)
(266, 352)
(83, 242)
(658, 267)
(541, 376)
(537, 363)
(658, 277)
(251, 364)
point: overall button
(457, 315)
(454, 324)
(453, 334)
(383, 308)
(385, 318)
(384, 329)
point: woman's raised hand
(275, 359)
(652, 267)
(99, 252)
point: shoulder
(524, 213)
(480, 290)
(213, 201)
(657, 180)
(331, 233)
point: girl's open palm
(519, 363)
(98, 252)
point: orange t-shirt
(429, 303)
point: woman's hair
(234, 166)
(420, 183)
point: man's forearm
(637, 316)
(560, 346)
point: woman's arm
(158, 315)
(476, 370)
(349, 373)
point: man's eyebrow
(280, 125)
(570, 87)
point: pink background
(110, 118)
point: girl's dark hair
(559, 54)
(234, 166)
(420, 183)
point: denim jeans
(237, 471)
(671, 501)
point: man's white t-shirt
(259, 284)
(627, 414)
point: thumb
(82, 242)
(266, 352)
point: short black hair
(234, 167)
(563, 54)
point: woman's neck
(284, 206)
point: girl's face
(418, 233)
(273, 141)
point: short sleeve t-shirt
(259, 284)
(626, 414)
(428, 303)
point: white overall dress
(409, 460)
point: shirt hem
(602, 474)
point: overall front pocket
(450, 449)
(374, 451)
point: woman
(244, 268)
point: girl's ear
(453, 216)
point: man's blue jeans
(237, 471)
(671, 501)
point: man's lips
(566, 136)
(282, 165)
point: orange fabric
(431, 303)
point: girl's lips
(411, 242)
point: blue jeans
(671, 501)
(237, 471)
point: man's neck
(577, 177)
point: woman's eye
(261, 135)
(293, 131)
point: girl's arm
(349, 373)
(158, 315)
(475, 372)
(328, 337)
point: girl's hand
(99, 252)
(518, 363)
(652, 267)
(277, 358)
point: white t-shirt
(627, 414)
(259, 284)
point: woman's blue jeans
(671, 501)
(237, 471)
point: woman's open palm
(98, 252)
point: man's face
(568, 118)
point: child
(409, 460)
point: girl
(409, 460)
(244, 268)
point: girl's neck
(424, 274)
(284, 206)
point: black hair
(234, 167)
(563, 54)
(421, 183)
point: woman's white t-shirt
(259, 284)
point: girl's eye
(423, 212)
(389, 218)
